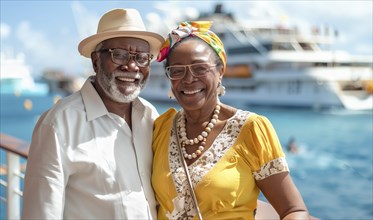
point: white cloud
(86, 21)
(153, 21)
(363, 49)
(5, 30)
(34, 41)
(44, 53)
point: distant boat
(16, 78)
(273, 65)
(20, 93)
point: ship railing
(16, 150)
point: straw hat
(121, 23)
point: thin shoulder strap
(185, 166)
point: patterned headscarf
(199, 29)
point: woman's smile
(191, 92)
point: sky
(48, 32)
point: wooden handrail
(14, 145)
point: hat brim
(87, 46)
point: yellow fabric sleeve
(261, 141)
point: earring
(220, 90)
(171, 94)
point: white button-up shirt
(85, 162)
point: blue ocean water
(333, 169)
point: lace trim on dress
(275, 166)
(183, 204)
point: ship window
(305, 46)
(320, 64)
(267, 46)
(282, 46)
(242, 50)
(294, 87)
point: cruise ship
(277, 65)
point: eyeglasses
(122, 57)
(177, 72)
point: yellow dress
(224, 176)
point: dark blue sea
(333, 169)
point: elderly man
(90, 155)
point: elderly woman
(211, 160)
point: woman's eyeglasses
(177, 72)
(122, 57)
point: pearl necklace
(200, 138)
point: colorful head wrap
(199, 29)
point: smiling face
(195, 93)
(120, 83)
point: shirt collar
(93, 103)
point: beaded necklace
(200, 138)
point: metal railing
(16, 150)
